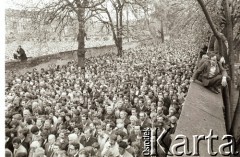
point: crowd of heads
(65, 111)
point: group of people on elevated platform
(63, 112)
(211, 72)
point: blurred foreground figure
(20, 55)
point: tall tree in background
(106, 16)
(155, 13)
(226, 49)
(63, 12)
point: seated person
(21, 55)
(213, 74)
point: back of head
(16, 140)
(8, 153)
(39, 152)
(122, 144)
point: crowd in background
(63, 112)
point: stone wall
(202, 112)
(60, 58)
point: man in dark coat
(21, 55)
(88, 139)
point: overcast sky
(19, 4)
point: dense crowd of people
(63, 112)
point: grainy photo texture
(122, 78)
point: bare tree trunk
(120, 39)
(229, 34)
(162, 32)
(119, 48)
(220, 37)
(217, 34)
(236, 117)
(237, 48)
(81, 41)
(211, 43)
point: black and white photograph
(120, 78)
